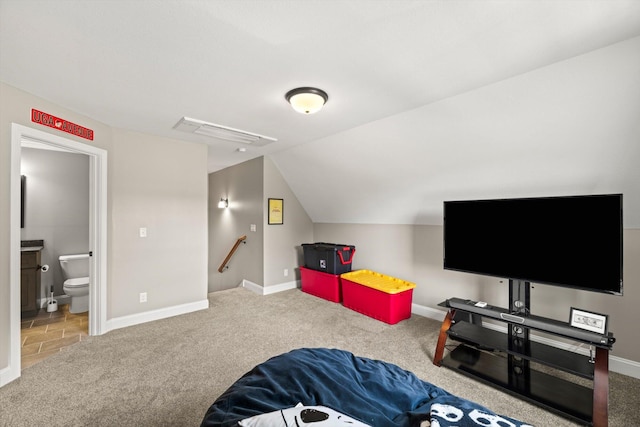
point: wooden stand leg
(442, 338)
(601, 388)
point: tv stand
(480, 354)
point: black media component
(572, 241)
(533, 322)
(509, 362)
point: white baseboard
(262, 290)
(626, 367)
(431, 313)
(149, 316)
(8, 374)
(253, 287)
(617, 364)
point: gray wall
(414, 253)
(282, 243)
(56, 208)
(242, 185)
(271, 248)
(153, 182)
(160, 184)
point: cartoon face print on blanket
(300, 416)
(448, 415)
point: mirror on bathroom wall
(23, 189)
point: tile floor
(48, 333)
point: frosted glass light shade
(307, 100)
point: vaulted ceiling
(428, 100)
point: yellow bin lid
(378, 281)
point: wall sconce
(223, 203)
(307, 100)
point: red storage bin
(382, 297)
(323, 285)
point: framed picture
(589, 321)
(276, 211)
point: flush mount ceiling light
(307, 100)
(213, 130)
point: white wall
(569, 128)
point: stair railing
(224, 266)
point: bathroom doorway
(56, 197)
(97, 232)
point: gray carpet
(167, 373)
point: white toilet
(75, 270)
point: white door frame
(97, 235)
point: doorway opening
(97, 234)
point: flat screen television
(572, 241)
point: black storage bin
(329, 258)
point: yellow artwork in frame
(276, 211)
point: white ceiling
(428, 100)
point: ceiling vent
(213, 130)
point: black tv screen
(573, 241)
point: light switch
(143, 231)
(253, 227)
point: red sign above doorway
(54, 122)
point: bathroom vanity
(29, 278)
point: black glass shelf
(564, 397)
(487, 339)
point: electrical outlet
(252, 227)
(286, 272)
(143, 297)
